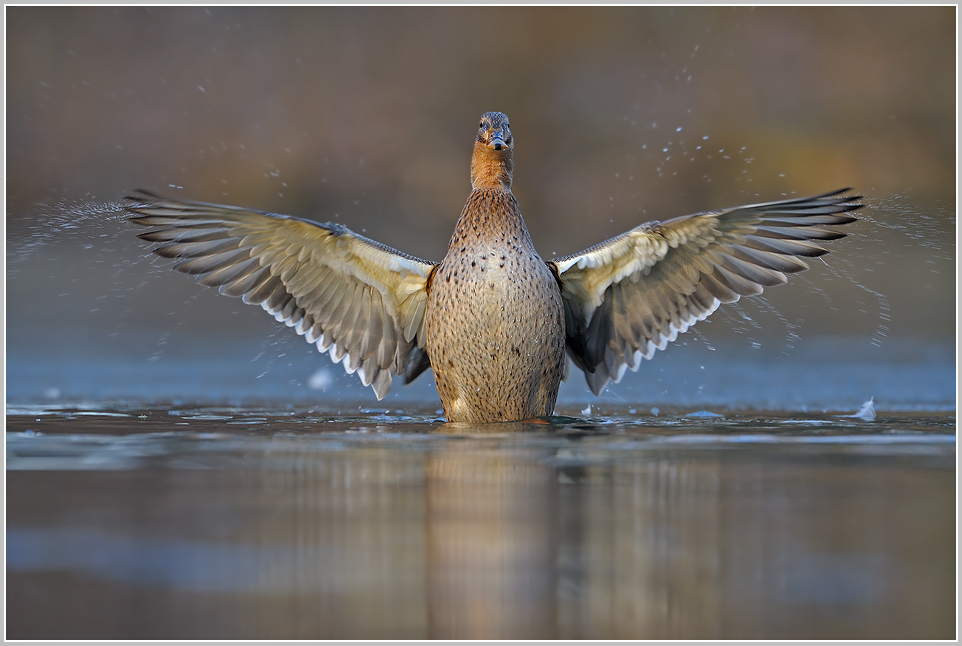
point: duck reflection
(492, 544)
(476, 536)
(474, 540)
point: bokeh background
(365, 116)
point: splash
(930, 230)
(67, 219)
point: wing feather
(633, 294)
(359, 300)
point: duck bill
(496, 142)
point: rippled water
(280, 522)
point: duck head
(492, 163)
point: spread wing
(358, 299)
(633, 294)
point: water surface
(277, 522)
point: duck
(495, 322)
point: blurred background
(365, 116)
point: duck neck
(491, 169)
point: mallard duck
(492, 319)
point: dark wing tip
(141, 195)
(136, 200)
(846, 204)
(844, 201)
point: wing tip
(139, 197)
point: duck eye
(481, 125)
